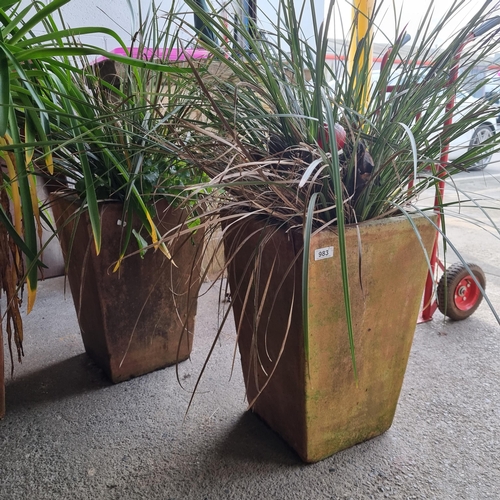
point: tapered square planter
(302, 383)
(141, 317)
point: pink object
(148, 54)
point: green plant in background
(122, 198)
(112, 131)
(37, 85)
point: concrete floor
(70, 434)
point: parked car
(474, 136)
(469, 139)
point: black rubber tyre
(482, 133)
(458, 295)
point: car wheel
(481, 134)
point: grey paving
(70, 434)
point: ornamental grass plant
(112, 127)
(306, 147)
(281, 100)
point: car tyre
(481, 134)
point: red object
(466, 294)
(429, 301)
(340, 136)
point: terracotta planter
(2, 378)
(312, 399)
(140, 318)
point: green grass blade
(44, 12)
(4, 91)
(334, 168)
(30, 233)
(305, 272)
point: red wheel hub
(466, 294)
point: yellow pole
(362, 12)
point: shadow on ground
(67, 378)
(250, 439)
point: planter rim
(334, 229)
(74, 198)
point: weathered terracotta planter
(140, 318)
(2, 379)
(312, 399)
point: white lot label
(323, 253)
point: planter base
(140, 318)
(2, 379)
(306, 387)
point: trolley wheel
(457, 293)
